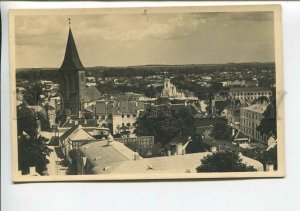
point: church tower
(72, 78)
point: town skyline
(134, 40)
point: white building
(119, 116)
(169, 90)
(250, 118)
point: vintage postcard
(146, 93)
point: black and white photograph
(146, 93)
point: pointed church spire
(71, 60)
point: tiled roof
(91, 94)
(76, 133)
(116, 107)
(168, 164)
(80, 121)
(101, 155)
(173, 164)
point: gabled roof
(71, 60)
(68, 132)
(76, 133)
(116, 107)
(240, 136)
(91, 94)
(173, 164)
(101, 155)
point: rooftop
(257, 108)
(168, 164)
(76, 133)
(102, 155)
(71, 60)
(116, 107)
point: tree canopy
(32, 148)
(223, 161)
(221, 131)
(268, 124)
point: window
(122, 115)
(128, 115)
(134, 115)
(128, 124)
(123, 124)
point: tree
(32, 152)
(163, 126)
(32, 148)
(268, 124)
(221, 131)
(196, 145)
(223, 161)
(33, 93)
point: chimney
(76, 122)
(233, 132)
(169, 153)
(183, 152)
(269, 166)
(179, 149)
(85, 121)
(137, 156)
(79, 114)
(110, 140)
(213, 149)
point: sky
(141, 39)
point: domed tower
(72, 78)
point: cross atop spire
(69, 19)
(71, 60)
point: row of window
(123, 116)
(252, 93)
(254, 134)
(128, 124)
(250, 115)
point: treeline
(38, 74)
(146, 70)
(183, 69)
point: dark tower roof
(71, 61)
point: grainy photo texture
(146, 93)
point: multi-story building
(250, 118)
(251, 83)
(118, 116)
(249, 93)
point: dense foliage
(223, 161)
(32, 148)
(268, 125)
(221, 131)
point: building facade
(250, 118)
(118, 116)
(249, 93)
(170, 91)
